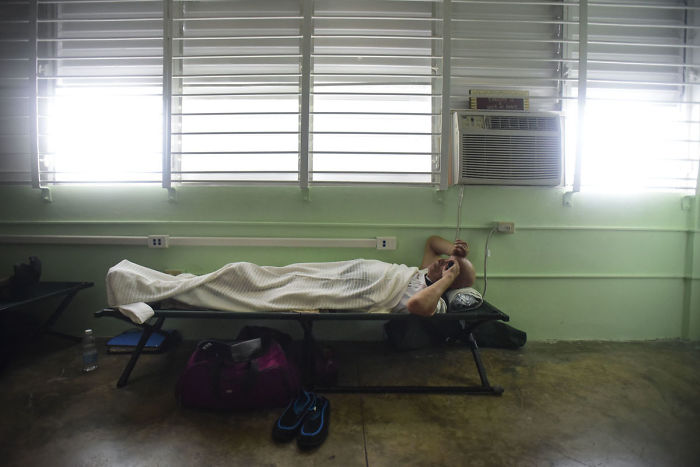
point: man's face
(436, 268)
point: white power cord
(459, 211)
(486, 257)
(459, 228)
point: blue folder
(126, 342)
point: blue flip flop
(288, 424)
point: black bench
(43, 291)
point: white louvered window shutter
(642, 109)
(509, 46)
(375, 94)
(308, 92)
(100, 91)
(17, 103)
(236, 91)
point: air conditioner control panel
(473, 122)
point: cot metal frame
(470, 319)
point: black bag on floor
(412, 334)
(499, 335)
(417, 333)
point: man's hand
(459, 248)
(440, 269)
(436, 247)
(450, 270)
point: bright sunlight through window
(104, 135)
(632, 145)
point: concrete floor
(565, 404)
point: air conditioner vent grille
(508, 149)
(510, 157)
(521, 122)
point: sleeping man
(437, 274)
(357, 285)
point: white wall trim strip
(191, 241)
(342, 225)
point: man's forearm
(425, 302)
(439, 245)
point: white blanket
(363, 285)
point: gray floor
(565, 404)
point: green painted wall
(691, 317)
(610, 267)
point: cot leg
(59, 310)
(477, 359)
(307, 353)
(147, 332)
(467, 337)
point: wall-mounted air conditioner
(507, 148)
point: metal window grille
(375, 94)
(642, 106)
(304, 92)
(99, 87)
(236, 81)
(329, 91)
(16, 92)
(508, 46)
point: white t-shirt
(415, 285)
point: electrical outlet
(158, 241)
(386, 243)
(505, 227)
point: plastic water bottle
(89, 351)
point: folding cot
(471, 320)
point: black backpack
(417, 333)
(26, 276)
